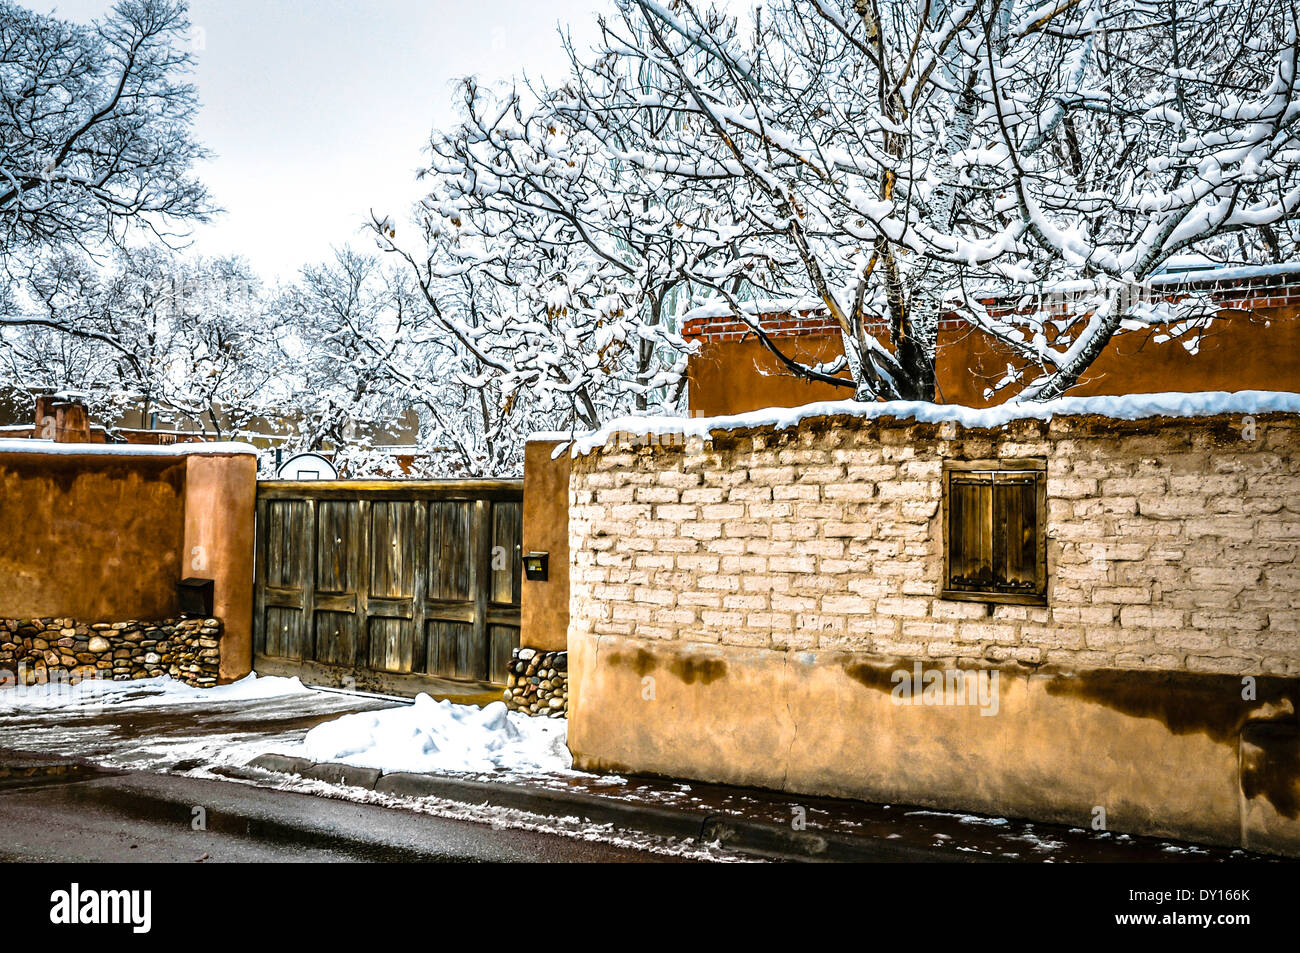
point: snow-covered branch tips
(896, 162)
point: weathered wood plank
(335, 547)
(362, 528)
(507, 551)
(449, 550)
(307, 573)
(336, 634)
(259, 576)
(472, 651)
(505, 639)
(417, 543)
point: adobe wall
(538, 679)
(544, 605)
(220, 508)
(733, 373)
(105, 536)
(1257, 350)
(87, 536)
(741, 607)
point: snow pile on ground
(431, 736)
(141, 692)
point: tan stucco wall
(1255, 350)
(811, 723)
(545, 605)
(220, 501)
(761, 579)
(90, 537)
(734, 377)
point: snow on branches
(887, 156)
(544, 264)
(94, 126)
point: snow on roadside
(140, 692)
(432, 736)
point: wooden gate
(388, 586)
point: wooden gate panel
(507, 562)
(385, 584)
(287, 544)
(392, 556)
(504, 640)
(391, 644)
(284, 632)
(336, 546)
(449, 649)
(336, 637)
(284, 549)
(449, 552)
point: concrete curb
(734, 833)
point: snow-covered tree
(94, 127)
(552, 269)
(146, 333)
(360, 353)
(897, 160)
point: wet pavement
(199, 739)
(82, 768)
(127, 731)
(951, 833)
(92, 815)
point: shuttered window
(995, 548)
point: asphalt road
(173, 750)
(132, 816)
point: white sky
(318, 110)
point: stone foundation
(43, 650)
(538, 683)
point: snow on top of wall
(1178, 279)
(1128, 407)
(1228, 273)
(128, 449)
(719, 308)
(1180, 274)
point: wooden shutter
(1015, 515)
(970, 531)
(994, 533)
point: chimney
(62, 419)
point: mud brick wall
(742, 606)
(1171, 543)
(36, 651)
